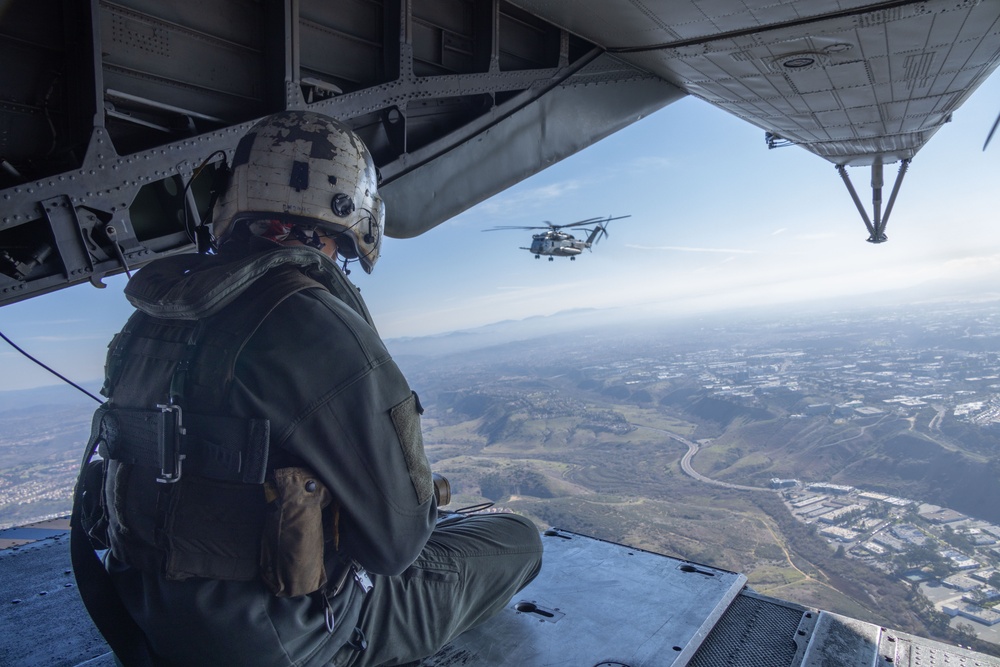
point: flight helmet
(308, 169)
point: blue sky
(717, 221)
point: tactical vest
(188, 491)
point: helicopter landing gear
(876, 226)
(551, 259)
(538, 256)
(572, 259)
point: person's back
(268, 495)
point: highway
(692, 449)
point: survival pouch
(291, 550)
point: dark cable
(58, 375)
(478, 507)
(197, 172)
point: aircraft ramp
(595, 604)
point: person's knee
(517, 533)
(524, 539)
(526, 533)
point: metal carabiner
(169, 443)
(328, 614)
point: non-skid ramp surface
(594, 604)
(599, 603)
(19, 536)
(43, 622)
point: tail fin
(596, 235)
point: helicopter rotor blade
(599, 219)
(588, 221)
(602, 221)
(992, 130)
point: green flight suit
(337, 404)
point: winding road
(689, 469)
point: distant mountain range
(499, 333)
(575, 320)
(62, 395)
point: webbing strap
(226, 449)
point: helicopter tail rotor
(602, 226)
(599, 232)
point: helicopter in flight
(553, 242)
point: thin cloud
(651, 163)
(523, 200)
(677, 248)
(779, 231)
(818, 236)
(51, 323)
(964, 266)
(69, 339)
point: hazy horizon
(582, 319)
